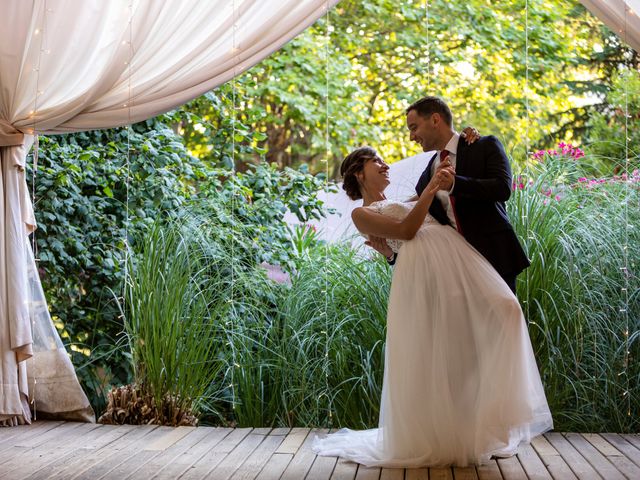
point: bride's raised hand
(470, 134)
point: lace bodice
(398, 210)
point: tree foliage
(347, 80)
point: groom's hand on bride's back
(379, 245)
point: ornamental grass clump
(171, 319)
(581, 293)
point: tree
(374, 57)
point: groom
(473, 201)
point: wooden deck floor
(67, 450)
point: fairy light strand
(427, 19)
(326, 247)
(36, 146)
(625, 258)
(43, 48)
(525, 216)
(127, 166)
(234, 364)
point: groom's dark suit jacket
(482, 186)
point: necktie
(444, 154)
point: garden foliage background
(199, 196)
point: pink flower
(557, 198)
(562, 145)
(582, 179)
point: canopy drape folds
(73, 65)
(621, 16)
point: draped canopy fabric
(72, 65)
(621, 16)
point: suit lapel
(429, 169)
(461, 156)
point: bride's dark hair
(352, 165)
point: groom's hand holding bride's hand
(443, 179)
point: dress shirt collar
(452, 146)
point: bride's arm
(372, 223)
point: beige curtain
(621, 16)
(72, 65)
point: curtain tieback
(9, 135)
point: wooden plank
(170, 438)
(322, 468)
(58, 432)
(262, 431)
(582, 469)
(280, 431)
(629, 451)
(632, 439)
(489, 471)
(465, 473)
(11, 434)
(603, 466)
(211, 437)
(423, 473)
(276, 465)
(511, 469)
(367, 473)
(237, 441)
(100, 437)
(31, 460)
(91, 458)
(543, 447)
(124, 460)
(16, 456)
(604, 447)
(615, 456)
(532, 464)
(392, 474)
(293, 441)
(258, 459)
(190, 436)
(344, 470)
(230, 463)
(555, 464)
(303, 459)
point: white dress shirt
(452, 148)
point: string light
(428, 55)
(326, 247)
(127, 105)
(235, 51)
(525, 214)
(625, 258)
(34, 172)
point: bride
(460, 382)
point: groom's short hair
(429, 105)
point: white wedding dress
(461, 383)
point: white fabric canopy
(621, 16)
(72, 65)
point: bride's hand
(442, 180)
(470, 134)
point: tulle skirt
(461, 382)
